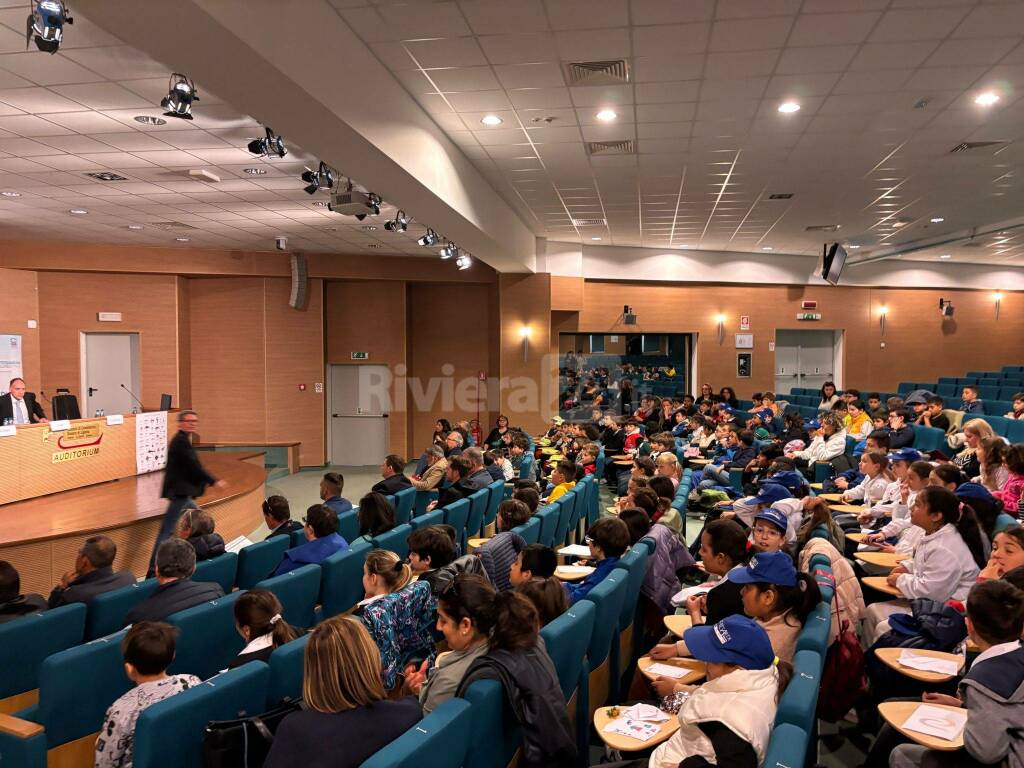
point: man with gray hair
(437, 465)
(453, 444)
(184, 479)
(175, 564)
(93, 574)
(478, 476)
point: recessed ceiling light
(986, 99)
(182, 239)
(595, 238)
(491, 120)
(373, 245)
(767, 248)
(255, 171)
(320, 204)
(946, 256)
(787, 107)
(78, 211)
(11, 194)
(853, 246)
(937, 220)
(135, 226)
(150, 120)
(606, 115)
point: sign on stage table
(10, 359)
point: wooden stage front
(42, 536)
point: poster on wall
(743, 365)
(10, 359)
(150, 441)
(744, 341)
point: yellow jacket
(559, 491)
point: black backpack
(245, 742)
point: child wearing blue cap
(728, 720)
(895, 499)
(769, 531)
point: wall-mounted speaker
(300, 281)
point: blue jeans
(175, 507)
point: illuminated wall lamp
(883, 311)
(998, 298)
(525, 332)
(720, 319)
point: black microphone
(133, 395)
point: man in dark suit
(278, 517)
(184, 479)
(20, 406)
(394, 480)
(93, 574)
(175, 564)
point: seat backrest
(565, 506)
(456, 515)
(405, 499)
(286, 666)
(787, 747)
(634, 563)
(341, 579)
(478, 502)
(219, 570)
(1015, 430)
(257, 561)
(436, 517)
(530, 530)
(25, 643)
(928, 438)
(526, 468)
(548, 524)
(395, 540)
(607, 597)
(800, 699)
(814, 635)
(348, 525)
(566, 639)
(298, 538)
(208, 640)
(494, 498)
(496, 734)
(170, 732)
(107, 611)
(77, 685)
(298, 591)
(439, 740)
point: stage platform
(41, 536)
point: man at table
(20, 406)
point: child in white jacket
(875, 468)
(728, 720)
(829, 440)
(895, 493)
(908, 535)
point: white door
(358, 408)
(804, 359)
(110, 373)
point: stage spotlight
(399, 224)
(429, 238)
(269, 145)
(181, 92)
(449, 250)
(321, 178)
(464, 261)
(46, 25)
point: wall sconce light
(524, 333)
(720, 319)
(882, 312)
(998, 298)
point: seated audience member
(433, 556)
(1017, 410)
(974, 431)
(769, 531)
(828, 396)
(990, 691)
(517, 450)
(563, 478)
(1012, 492)
(278, 516)
(876, 478)
(13, 604)
(497, 466)
(874, 402)
(148, 649)
(828, 441)
(456, 474)
(728, 720)
(348, 716)
(394, 480)
(534, 561)
(322, 540)
(175, 564)
(932, 416)
(498, 553)
(857, 421)
(376, 516)
(197, 528)
(901, 434)
(529, 496)
(453, 444)
(478, 476)
(992, 471)
(1007, 553)
(547, 596)
(608, 539)
(971, 402)
(259, 622)
(495, 437)
(331, 486)
(517, 660)
(93, 574)
(588, 459)
(433, 475)
(383, 573)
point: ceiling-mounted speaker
(300, 281)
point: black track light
(429, 238)
(181, 92)
(269, 145)
(46, 23)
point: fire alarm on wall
(302, 387)
(808, 305)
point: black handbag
(245, 742)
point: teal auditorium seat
(530, 530)
(593, 501)
(405, 499)
(456, 515)
(814, 636)
(298, 538)
(423, 498)
(170, 732)
(497, 493)
(107, 612)
(787, 747)
(298, 591)
(548, 524)
(286, 665)
(799, 701)
(341, 579)
(435, 517)
(394, 540)
(496, 734)
(1015, 431)
(220, 570)
(928, 438)
(348, 525)
(602, 653)
(208, 640)
(25, 644)
(567, 639)
(478, 502)
(634, 564)
(439, 740)
(257, 561)
(526, 468)
(565, 506)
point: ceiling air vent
(597, 72)
(623, 147)
(781, 196)
(822, 228)
(969, 146)
(171, 225)
(588, 222)
(106, 176)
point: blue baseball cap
(774, 516)
(735, 640)
(813, 424)
(908, 455)
(788, 479)
(769, 493)
(765, 414)
(727, 409)
(768, 568)
(974, 492)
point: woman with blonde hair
(974, 432)
(384, 572)
(349, 716)
(667, 465)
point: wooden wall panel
(295, 355)
(68, 303)
(526, 303)
(184, 341)
(566, 293)
(21, 304)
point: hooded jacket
(439, 578)
(660, 581)
(821, 449)
(942, 569)
(848, 604)
(993, 693)
(207, 546)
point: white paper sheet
(646, 712)
(940, 722)
(575, 570)
(928, 663)
(667, 670)
(236, 544)
(634, 729)
(150, 441)
(575, 550)
(680, 597)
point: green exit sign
(808, 316)
(360, 355)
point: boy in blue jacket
(608, 538)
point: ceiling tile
(39, 101)
(572, 14)
(670, 11)
(876, 56)
(750, 34)
(86, 122)
(517, 49)
(795, 60)
(491, 17)
(593, 44)
(649, 69)
(740, 64)
(102, 96)
(480, 101)
(662, 113)
(983, 50)
(656, 93)
(659, 40)
(117, 62)
(541, 98)
(598, 96)
(46, 70)
(992, 20)
(450, 52)
(466, 79)
(544, 75)
(30, 125)
(833, 29)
